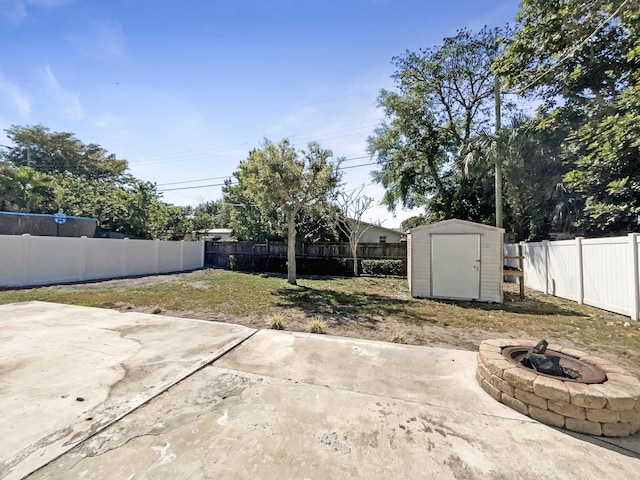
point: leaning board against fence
(602, 272)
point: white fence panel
(193, 255)
(37, 260)
(562, 272)
(12, 273)
(106, 258)
(141, 257)
(169, 257)
(535, 270)
(601, 272)
(607, 274)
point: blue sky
(183, 90)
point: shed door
(455, 266)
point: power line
(228, 176)
(195, 186)
(235, 182)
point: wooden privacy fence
(218, 253)
(601, 272)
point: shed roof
(455, 221)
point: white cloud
(99, 40)
(17, 10)
(13, 10)
(14, 94)
(67, 102)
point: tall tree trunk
(291, 248)
(354, 251)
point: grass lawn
(365, 307)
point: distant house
(215, 234)
(378, 234)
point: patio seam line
(525, 419)
(189, 373)
(301, 382)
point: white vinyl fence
(34, 260)
(602, 272)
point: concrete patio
(96, 394)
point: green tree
(208, 215)
(582, 59)
(533, 171)
(47, 152)
(45, 172)
(444, 96)
(413, 222)
(291, 180)
(23, 189)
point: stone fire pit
(610, 408)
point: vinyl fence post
(182, 255)
(635, 280)
(82, 274)
(580, 271)
(545, 253)
(26, 260)
(125, 267)
(521, 268)
(156, 244)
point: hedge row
(383, 267)
(315, 266)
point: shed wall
(491, 266)
(421, 265)
(491, 259)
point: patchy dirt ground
(365, 307)
(433, 335)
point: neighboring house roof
(216, 231)
(380, 227)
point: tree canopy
(443, 97)
(47, 172)
(583, 60)
(279, 175)
(59, 152)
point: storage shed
(457, 260)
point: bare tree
(351, 206)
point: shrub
(316, 325)
(276, 321)
(324, 266)
(398, 337)
(257, 263)
(384, 267)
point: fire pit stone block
(519, 378)
(551, 389)
(583, 426)
(531, 399)
(546, 417)
(566, 409)
(611, 408)
(586, 396)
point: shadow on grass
(367, 309)
(371, 307)
(521, 306)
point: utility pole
(498, 164)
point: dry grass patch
(364, 307)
